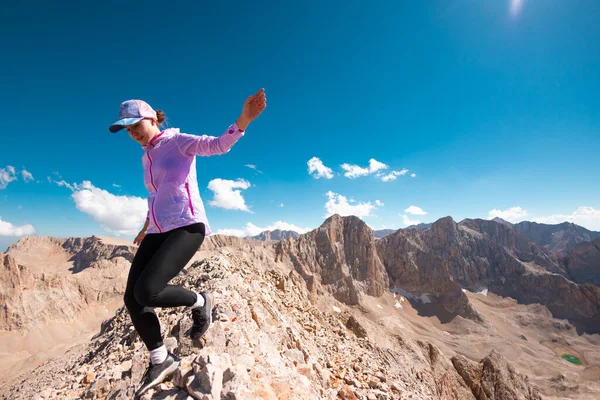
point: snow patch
(379, 305)
(398, 305)
(337, 309)
(423, 298)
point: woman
(175, 226)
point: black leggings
(160, 257)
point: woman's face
(143, 131)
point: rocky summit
(333, 314)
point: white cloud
(378, 203)
(413, 175)
(8, 229)
(7, 175)
(414, 210)
(338, 204)
(231, 232)
(513, 214)
(354, 171)
(585, 216)
(225, 195)
(27, 176)
(115, 185)
(375, 165)
(281, 205)
(252, 166)
(317, 170)
(407, 221)
(392, 175)
(65, 184)
(119, 215)
(253, 230)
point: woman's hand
(253, 106)
(138, 239)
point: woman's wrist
(242, 122)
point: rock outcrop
(583, 262)
(494, 378)
(422, 276)
(339, 257)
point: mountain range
(469, 309)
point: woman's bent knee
(130, 301)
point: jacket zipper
(187, 187)
(155, 190)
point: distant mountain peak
(558, 238)
(276, 234)
(502, 221)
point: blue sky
(492, 105)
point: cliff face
(339, 257)
(416, 272)
(583, 262)
(79, 272)
(559, 239)
(487, 254)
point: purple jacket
(169, 163)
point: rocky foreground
(270, 341)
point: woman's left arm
(205, 145)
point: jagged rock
(339, 257)
(583, 262)
(89, 378)
(236, 382)
(170, 343)
(415, 271)
(181, 332)
(494, 378)
(356, 327)
(447, 380)
(346, 393)
(100, 388)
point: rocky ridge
(270, 340)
